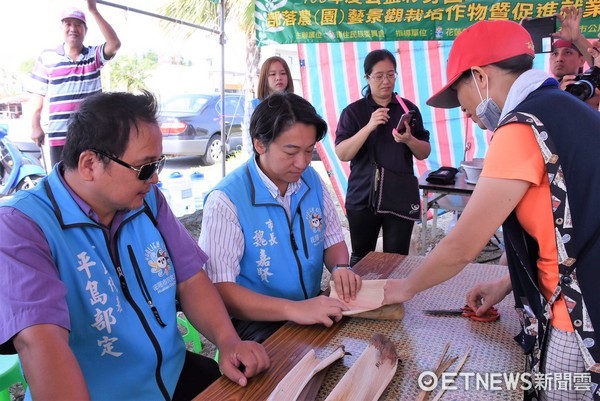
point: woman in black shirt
(369, 123)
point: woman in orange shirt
(535, 156)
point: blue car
(191, 125)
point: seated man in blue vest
(92, 261)
(270, 226)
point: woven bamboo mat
(420, 338)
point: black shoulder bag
(386, 185)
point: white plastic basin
(472, 169)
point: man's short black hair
(104, 121)
(279, 112)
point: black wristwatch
(341, 266)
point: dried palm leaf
(371, 373)
(386, 312)
(369, 301)
(292, 385)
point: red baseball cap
(73, 13)
(558, 43)
(481, 44)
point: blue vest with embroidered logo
(125, 348)
(281, 258)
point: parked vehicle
(20, 166)
(191, 125)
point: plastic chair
(191, 335)
(10, 373)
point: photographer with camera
(566, 64)
(566, 61)
(569, 54)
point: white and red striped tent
(332, 78)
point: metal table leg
(424, 222)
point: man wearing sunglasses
(92, 262)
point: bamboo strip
(458, 368)
(443, 363)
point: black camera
(586, 84)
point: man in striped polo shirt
(66, 75)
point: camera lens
(583, 90)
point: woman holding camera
(367, 134)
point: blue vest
(281, 258)
(126, 349)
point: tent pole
(163, 17)
(222, 41)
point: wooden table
(448, 197)
(419, 339)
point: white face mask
(487, 111)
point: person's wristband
(341, 266)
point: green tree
(129, 73)
(206, 13)
(26, 66)
(11, 82)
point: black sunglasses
(145, 171)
